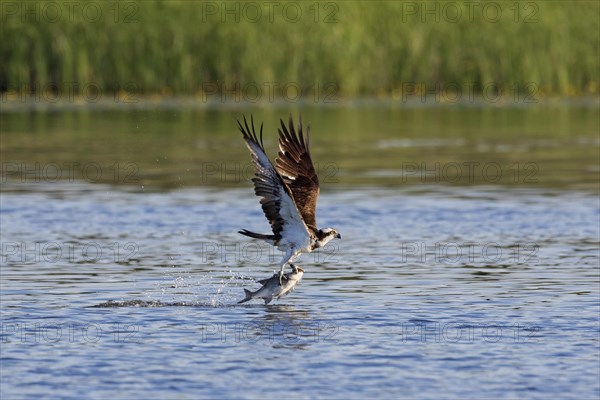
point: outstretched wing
(276, 200)
(296, 168)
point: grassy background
(363, 48)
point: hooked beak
(339, 236)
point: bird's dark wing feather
(296, 168)
(276, 199)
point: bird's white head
(326, 235)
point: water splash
(215, 288)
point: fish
(276, 286)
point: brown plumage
(295, 167)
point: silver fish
(276, 286)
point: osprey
(288, 191)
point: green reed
(350, 48)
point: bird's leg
(281, 274)
(286, 259)
(289, 258)
(293, 266)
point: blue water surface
(454, 292)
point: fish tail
(248, 296)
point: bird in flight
(288, 192)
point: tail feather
(256, 235)
(248, 296)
